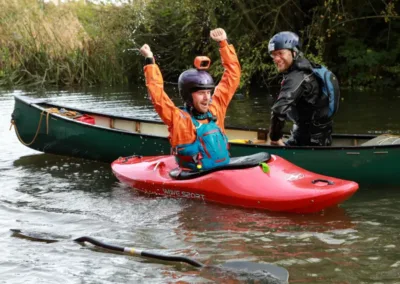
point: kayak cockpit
(235, 163)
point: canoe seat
(235, 163)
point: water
(65, 198)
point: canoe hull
(108, 140)
(285, 188)
(62, 136)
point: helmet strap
(294, 56)
(298, 53)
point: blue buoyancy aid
(209, 150)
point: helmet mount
(202, 62)
(193, 80)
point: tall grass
(71, 44)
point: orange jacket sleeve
(227, 86)
(180, 126)
(155, 86)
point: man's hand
(277, 143)
(218, 34)
(146, 51)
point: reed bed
(71, 44)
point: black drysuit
(301, 100)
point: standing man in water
(301, 98)
(197, 132)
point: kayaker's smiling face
(201, 100)
(283, 59)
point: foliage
(78, 44)
(329, 29)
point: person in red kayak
(196, 130)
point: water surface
(65, 198)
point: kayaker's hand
(278, 143)
(218, 34)
(146, 51)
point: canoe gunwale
(41, 104)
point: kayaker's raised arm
(155, 86)
(231, 78)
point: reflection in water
(270, 237)
(89, 175)
(218, 218)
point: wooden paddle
(267, 271)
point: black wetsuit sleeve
(285, 105)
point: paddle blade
(268, 273)
(36, 236)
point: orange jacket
(180, 125)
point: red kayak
(260, 181)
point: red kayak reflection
(214, 217)
(290, 240)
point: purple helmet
(284, 40)
(193, 80)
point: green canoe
(52, 128)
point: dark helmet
(284, 40)
(193, 80)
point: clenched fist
(146, 51)
(218, 34)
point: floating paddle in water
(270, 272)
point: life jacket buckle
(197, 160)
(199, 164)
